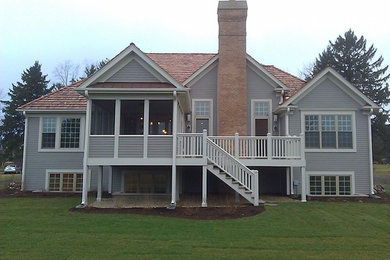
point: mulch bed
(384, 198)
(197, 213)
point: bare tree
(66, 72)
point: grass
(5, 179)
(44, 228)
(383, 172)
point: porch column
(99, 183)
(174, 136)
(84, 196)
(303, 184)
(110, 179)
(291, 180)
(256, 188)
(204, 186)
(288, 180)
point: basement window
(330, 185)
(65, 182)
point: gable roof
(313, 83)
(65, 98)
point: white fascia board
(314, 82)
(51, 111)
(123, 54)
(135, 90)
(272, 77)
(197, 75)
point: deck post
(269, 146)
(204, 186)
(288, 176)
(291, 180)
(302, 135)
(174, 148)
(303, 184)
(99, 183)
(236, 146)
(110, 179)
(256, 187)
(84, 196)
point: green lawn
(5, 179)
(382, 170)
(43, 228)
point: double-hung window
(60, 133)
(329, 131)
(202, 115)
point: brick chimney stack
(232, 94)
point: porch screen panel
(132, 117)
(160, 117)
(103, 117)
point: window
(65, 182)
(132, 117)
(160, 117)
(330, 185)
(261, 108)
(49, 132)
(60, 133)
(202, 115)
(103, 117)
(328, 131)
(70, 133)
(261, 112)
(146, 183)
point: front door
(202, 124)
(261, 127)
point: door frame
(210, 117)
(253, 117)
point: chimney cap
(232, 4)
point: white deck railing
(245, 147)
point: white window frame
(57, 147)
(335, 113)
(253, 117)
(66, 171)
(210, 117)
(330, 173)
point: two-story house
(195, 123)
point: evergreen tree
(92, 68)
(33, 85)
(350, 57)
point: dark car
(12, 168)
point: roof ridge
(193, 53)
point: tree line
(348, 54)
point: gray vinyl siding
(37, 163)
(258, 88)
(116, 180)
(328, 97)
(94, 177)
(159, 147)
(132, 72)
(131, 147)
(101, 146)
(206, 88)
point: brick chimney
(232, 94)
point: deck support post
(99, 183)
(204, 186)
(256, 186)
(291, 180)
(84, 196)
(288, 176)
(303, 184)
(174, 153)
(110, 179)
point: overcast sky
(288, 34)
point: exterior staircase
(232, 172)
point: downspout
(84, 199)
(174, 136)
(24, 148)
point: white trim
(319, 78)
(24, 150)
(132, 48)
(57, 147)
(335, 112)
(117, 122)
(146, 127)
(331, 173)
(86, 173)
(211, 64)
(129, 161)
(370, 155)
(210, 131)
(61, 171)
(253, 117)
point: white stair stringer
(232, 172)
(228, 180)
